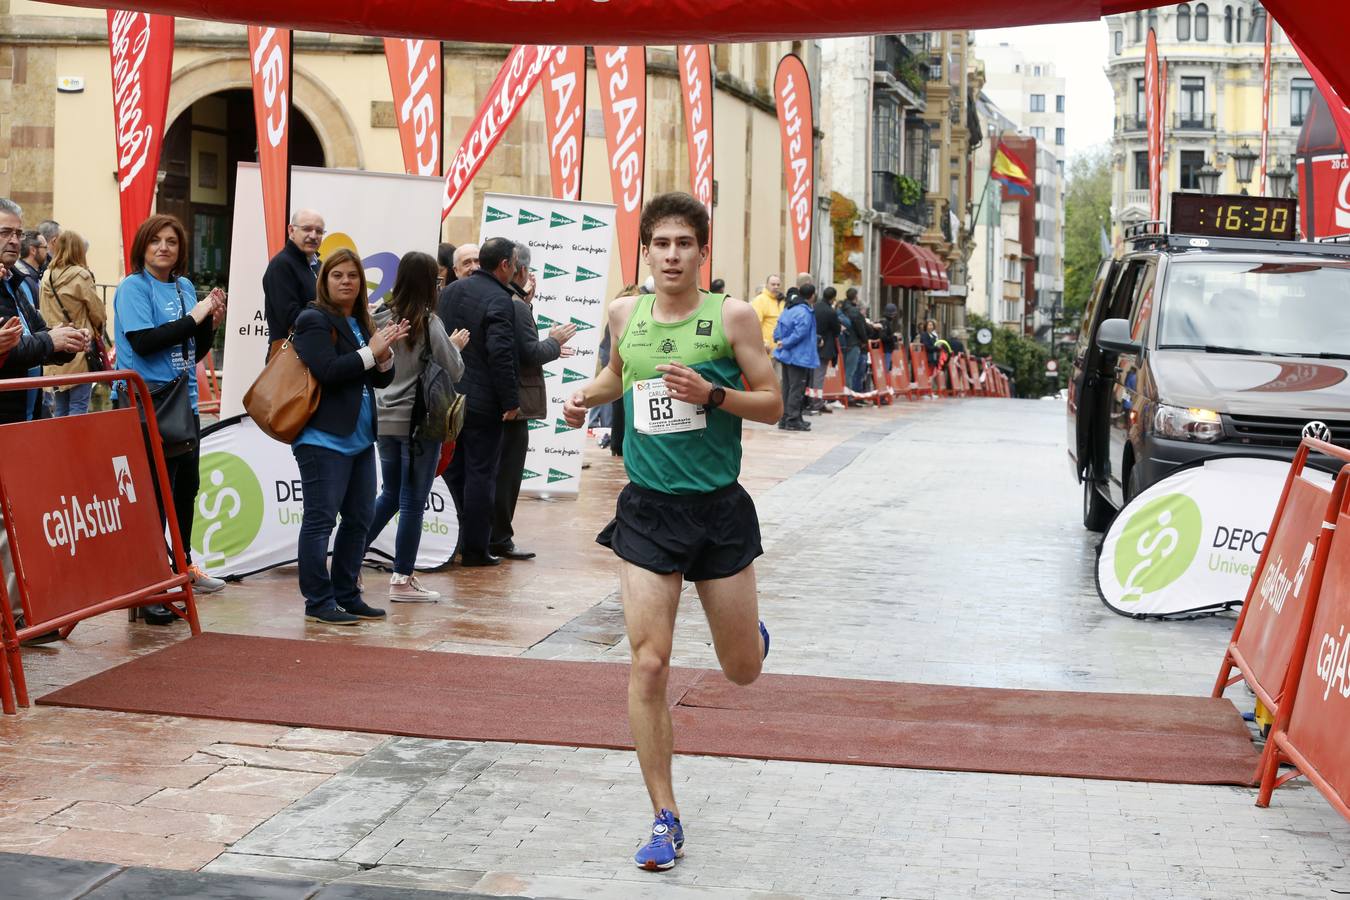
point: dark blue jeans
(333, 483)
(407, 469)
(851, 357)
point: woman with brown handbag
(349, 358)
(67, 294)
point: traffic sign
(1051, 366)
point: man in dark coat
(827, 342)
(491, 389)
(291, 276)
(531, 355)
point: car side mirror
(1114, 337)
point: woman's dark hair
(361, 305)
(674, 205)
(445, 258)
(414, 294)
(146, 233)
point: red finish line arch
(1318, 27)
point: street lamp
(1244, 159)
(1280, 178)
(1208, 179)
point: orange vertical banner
(565, 119)
(1265, 105)
(270, 59)
(417, 79)
(696, 84)
(140, 48)
(623, 99)
(792, 91)
(1153, 112)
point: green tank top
(687, 462)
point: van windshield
(1268, 308)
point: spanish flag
(1010, 170)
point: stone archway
(335, 128)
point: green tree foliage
(1018, 352)
(1087, 210)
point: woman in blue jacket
(795, 334)
(349, 358)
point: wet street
(932, 542)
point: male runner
(678, 363)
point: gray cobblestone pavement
(943, 547)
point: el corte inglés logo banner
(527, 218)
(552, 271)
(584, 274)
(557, 220)
(496, 215)
(587, 223)
(557, 475)
(526, 475)
(570, 376)
(560, 425)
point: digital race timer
(1228, 215)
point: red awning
(940, 282)
(903, 264)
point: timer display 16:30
(1233, 216)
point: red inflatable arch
(1319, 27)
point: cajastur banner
(792, 91)
(565, 118)
(269, 53)
(515, 80)
(696, 85)
(622, 73)
(141, 51)
(417, 79)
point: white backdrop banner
(380, 216)
(1191, 542)
(251, 503)
(570, 243)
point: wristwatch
(716, 397)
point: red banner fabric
(1265, 106)
(792, 91)
(418, 81)
(1153, 112)
(1324, 195)
(696, 85)
(141, 50)
(270, 59)
(565, 117)
(1340, 111)
(622, 72)
(517, 77)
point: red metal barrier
(881, 385)
(1279, 601)
(956, 376)
(836, 385)
(1312, 723)
(973, 376)
(918, 358)
(89, 539)
(901, 383)
(208, 386)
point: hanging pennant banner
(270, 58)
(565, 118)
(696, 84)
(1265, 106)
(141, 51)
(418, 81)
(622, 72)
(515, 80)
(792, 90)
(1153, 113)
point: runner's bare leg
(650, 602)
(732, 607)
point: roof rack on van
(1192, 242)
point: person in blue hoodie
(795, 335)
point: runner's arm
(607, 386)
(762, 401)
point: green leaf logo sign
(536, 424)
(560, 425)
(581, 326)
(588, 223)
(584, 274)
(557, 475)
(1157, 545)
(527, 218)
(526, 475)
(557, 220)
(570, 376)
(544, 322)
(552, 271)
(496, 215)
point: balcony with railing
(1193, 121)
(889, 196)
(1131, 122)
(895, 67)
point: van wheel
(1097, 513)
(1133, 488)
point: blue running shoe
(764, 631)
(664, 846)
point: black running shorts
(701, 536)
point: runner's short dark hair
(674, 205)
(494, 252)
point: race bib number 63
(656, 412)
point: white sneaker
(407, 589)
(203, 583)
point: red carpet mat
(1123, 737)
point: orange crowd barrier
(1278, 604)
(836, 384)
(1314, 718)
(208, 386)
(973, 375)
(956, 376)
(918, 358)
(901, 383)
(89, 539)
(881, 385)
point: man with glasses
(292, 275)
(32, 260)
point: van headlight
(1187, 424)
